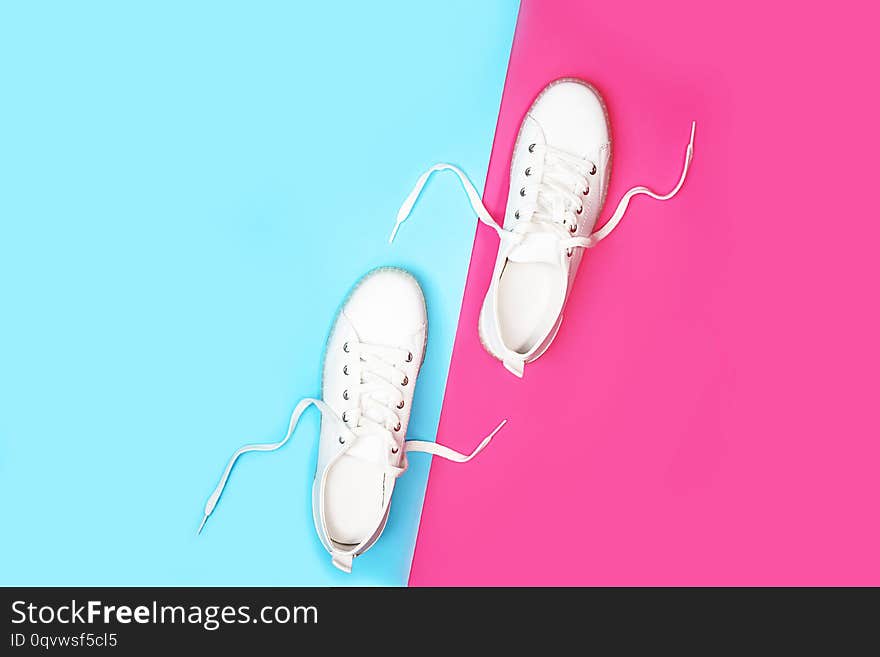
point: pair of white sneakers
(559, 178)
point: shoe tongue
(370, 446)
(536, 247)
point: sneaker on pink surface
(559, 177)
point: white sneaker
(371, 364)
(559, 177)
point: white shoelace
(556, 206)
(380, 396)
(556, 203)
(378, 390)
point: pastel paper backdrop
(708, 413)
(187, 193)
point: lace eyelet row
(346, 395)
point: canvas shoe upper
(558, 181)
(371, 365)
(559, 177)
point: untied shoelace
(379, 397)
(555, 200)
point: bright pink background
(709, 411)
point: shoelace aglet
(487, 439)
(448, 453)
(408, 204)
(215, 496)
(394, 231)
(690, 148)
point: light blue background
(187, 192)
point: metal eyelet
(516, 215)
(345, 370)
(593, 170)
(401, 404)
(397, 428)
(586, 191)
(522, 191)
(341, 440)
(394, 450)
(580, 210)
(405, 380)
(345, 395)
(573, 229)
(409, 357)
(531, 148)
(528, 171)
(569, 252)
(345, 416)
(345, 347)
